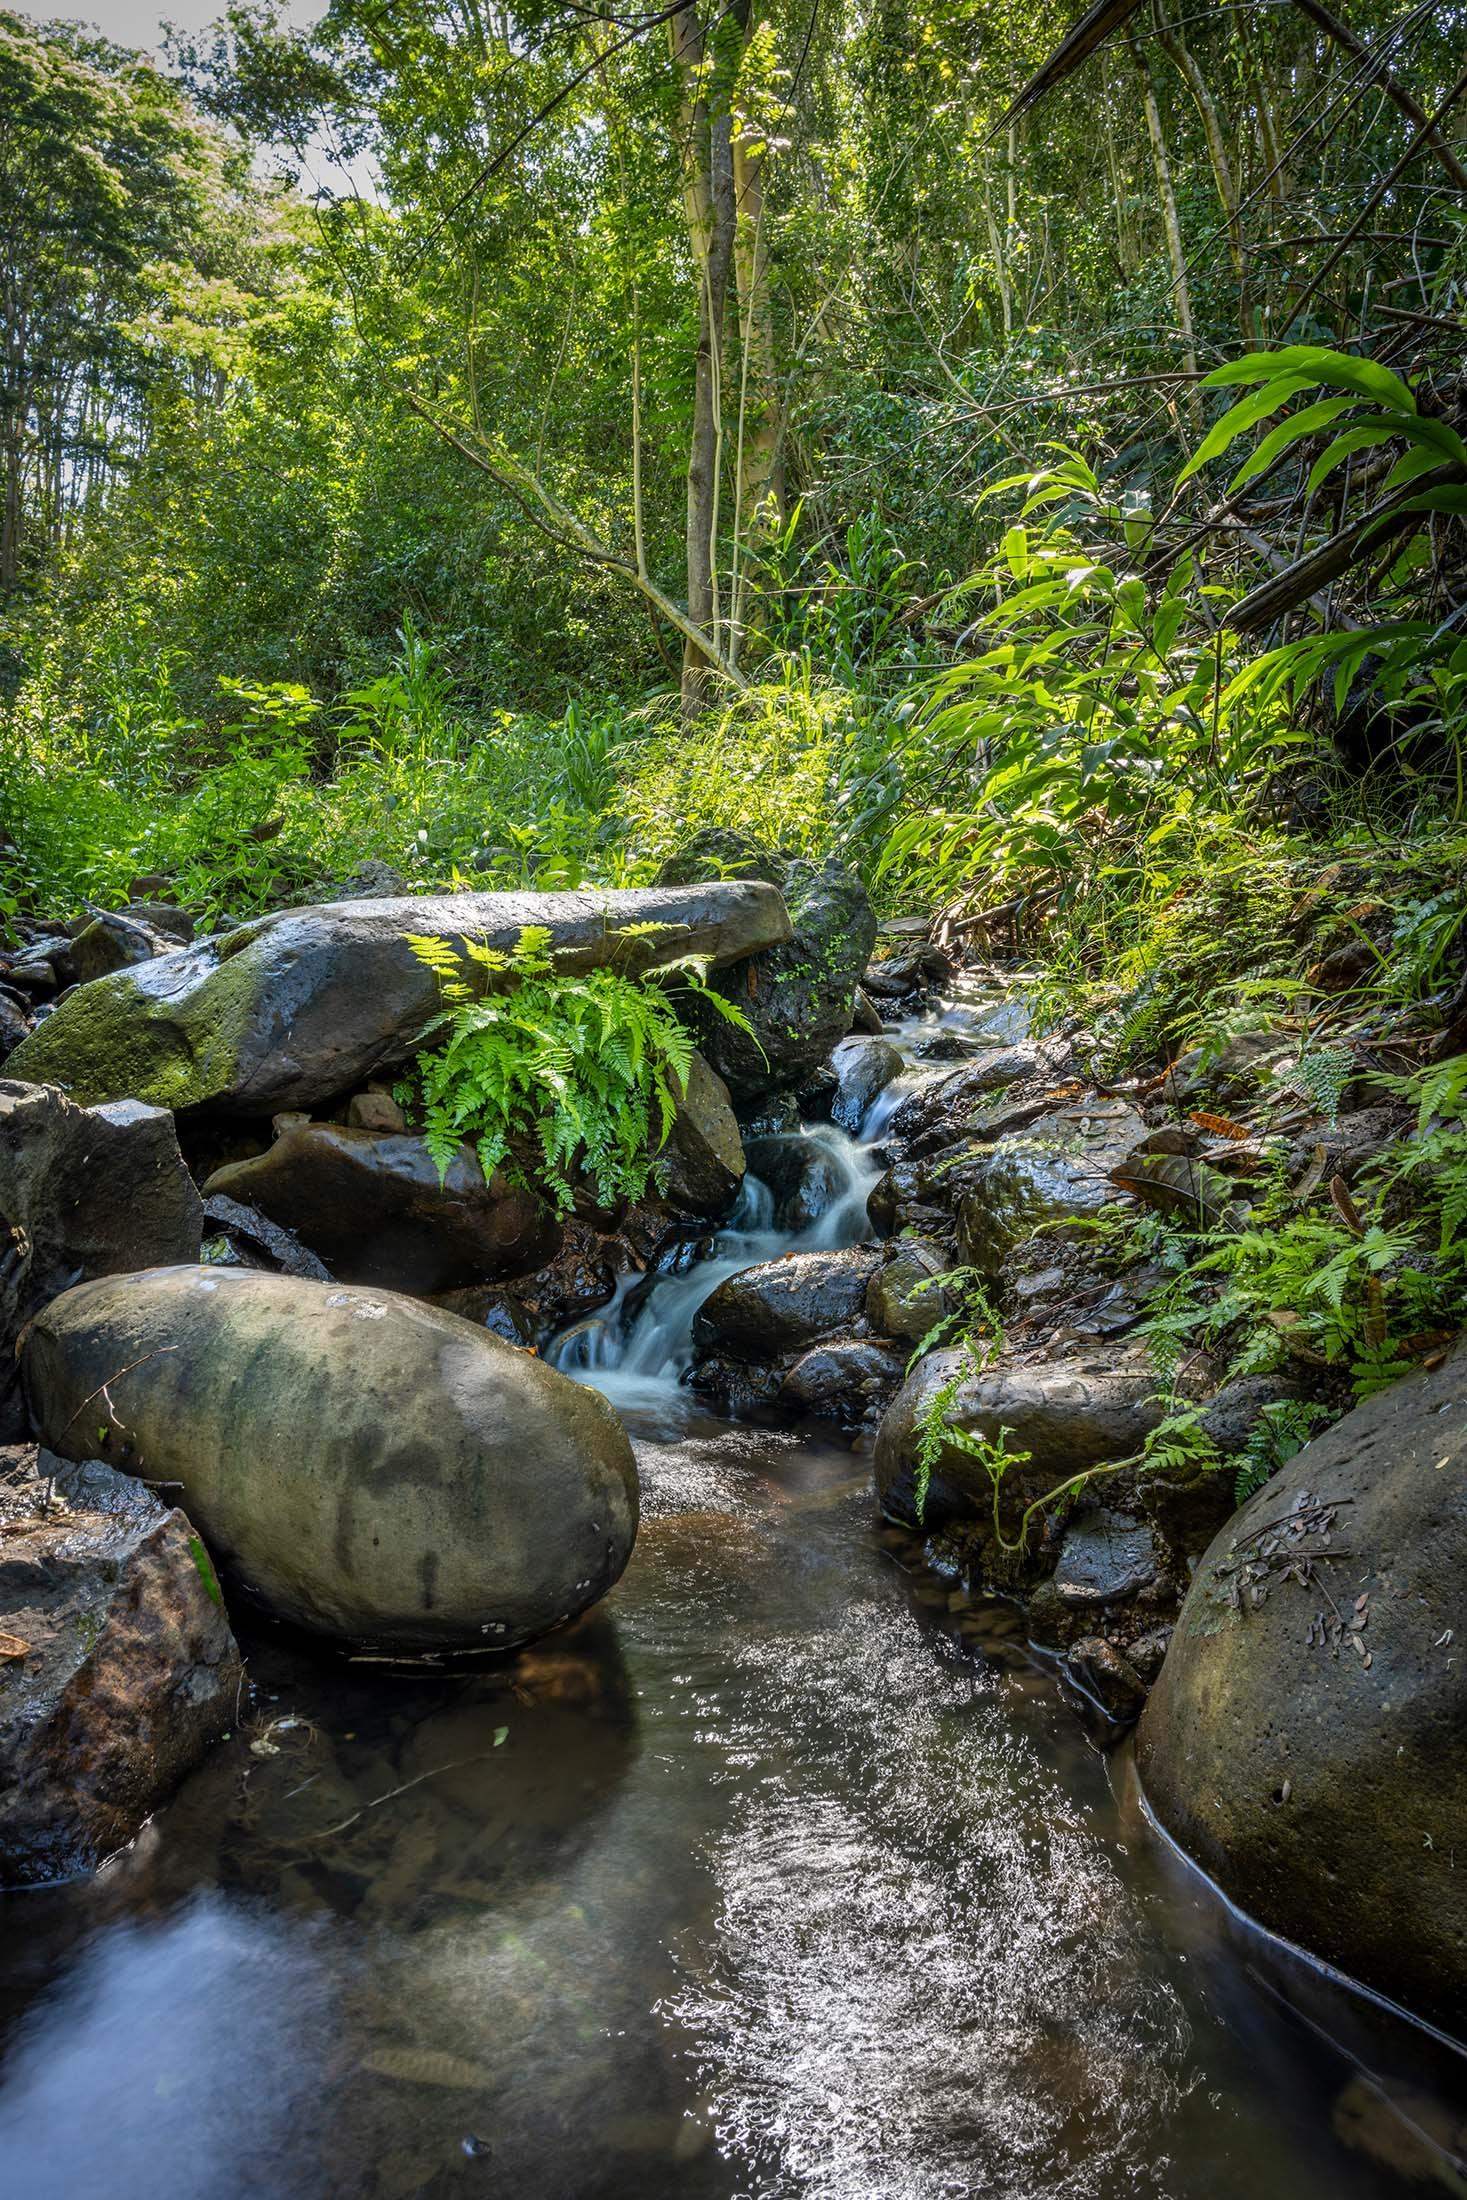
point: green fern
(585, 1072)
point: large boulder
(1085, 1411)
(117, 1666)
(370, 1467)
(1305, 1739)
(371, 1205)
(780, 1305)
(795, 998)
(701, 1167)
(1056, 1169)
(83, 1192)
(299, 1006)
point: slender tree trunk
(1178, 52)
(1181, 291)
(758, 475)
(708, 203)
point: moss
(111, 1040)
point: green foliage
(560, 1079)
(1283, 1430)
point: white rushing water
(639, 1363)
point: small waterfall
(639, 1362)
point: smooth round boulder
(1304, 1740)
(377, 1470)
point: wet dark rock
(1304, 1740)
(114, 942)
(368, 1466)
(909, 970)
(257, 1242)
(83, 1192)
(581, 1277)
(771, 1117)
(32, 975)
(1147, 1651)
(946, 1103)
(1067, 1414)
(165, 917)
(906, 1198)
(1105, 1675)
(803, 1178)
(1053, 1171)
(371, 1205)
(701, 1167)
(865, 1015)
(202, 1026)
(734, 1388)
(902, 1299)
(117, 1665)
(796, 997)
(1105, 1559)
(863, 1069)
(847, 1381)
(14, 1023)
(372, 1110)
(780, 1305)
(493, 1307)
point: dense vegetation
(1025, 456)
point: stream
(784, 1872)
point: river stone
(127, 1674)
(1318, 1773)
(944, 1103)
(864, 1068)
(300, 1006)
(111, 943)
(701, 1167)
(903, 1298)
(85, 1192)
(779, 1305)
(368, 1466)
(796, 998)
(1068, 1414)
(848, 1380)
(370, 1204)
(1053, 1171)
(1105, 1558)
(803, 1178)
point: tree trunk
(759, 486)
(1181, 291)
(1176, 50)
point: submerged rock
(779, 1305)
(1304, 1740)
(117, 1666)
(368, 1466)
(701, 1167)
(84, 1192)
(371, 1205)
(300, 1006)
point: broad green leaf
(1298, 425)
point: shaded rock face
(1054, 1169)
(701, 1167)
(1068, 1414)
(128, 1669)
(111, 943)
(301, 1005)
(1316, 1769)
(367, 1466)
(846, 1381)
(1106, 1558)
(942, 1104)
(864, 1068)
(84, 1192)
(802, 1178)
(797, 998)
(780, 1305)
(370, 1205)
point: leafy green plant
(584, 1072)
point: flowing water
(784, 1873)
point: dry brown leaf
(13, 1646)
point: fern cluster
(585, 1072)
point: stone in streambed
(1304, 1740)
(864, 1068)
(802, 1175)
(779, 1305)
(701, 1167)
(370, 1204)
(848, 1380)
(370, 1467)
(302, 1005)
(84, 1192)
(904, 1298)
(117, 1665)
(1056, 1169)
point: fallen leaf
(13, 1646)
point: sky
(138, 23)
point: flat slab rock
(301, 1005)
(117, 1665)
